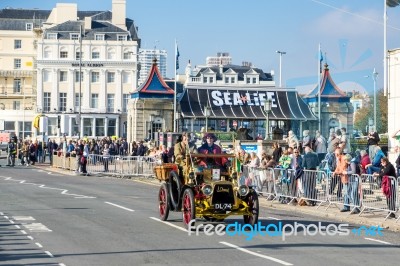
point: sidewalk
(366, 218)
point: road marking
(1, 213)
(273, 218)
(379, 241)
(39, 245)
(37, 227)
(119, 206)
(170, 224)
(256, 254)
(6, 217)
(147, 183)
(22, 231)
(23, 218)
(17, 226)
(48, 253)
(11, 221)
(31, 238)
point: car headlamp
(234, 175)
(207, 190)
(191, 175)
(243, 190)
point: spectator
(372, 143)
(350, 185)
(344, 141)
(365, 160)
(333, 142)
(11, 151)
(276, 151)
(375, 165)
(310, 162)
(388, 188)
(292, 140)
(336, 179)
(106, 157)
(306, 140)
(319, 143)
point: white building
(220, 59)
(146, 57)
(86, 67)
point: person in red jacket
(388, 188)
(209, 147)
(365, 160)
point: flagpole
(174, 118)
(385, 89)
(319, 87)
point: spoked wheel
(163, 202)
(175, 187)
(188, 207)
(252, 201)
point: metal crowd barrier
(261, 179)
(337, 191)
(374, 199)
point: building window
(77, 99)
(248, 80)
(126, 77)
(122, 37)
(52, 36)
(63, 54)
(17, 63)
(17, 44)
(254, 80)
(94, 101)
(63, 76)
(95, 54)
(46, 76)
(100, 127)
(78, 55)
(74, 36)
(128, 55)
(63, 102)
(204, 79)
(77, 76)
(232, 80)
(226, 80)
(29, 26)
(211, 79)
(110, 77)
(112, 124)
(110, 102)
(95, 77)
(17, 86)
(87, 126)
(46, 101)
(99, 37)
(16, 105)
(125, 103)
(111, 54)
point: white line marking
(379, 241)
(1, 213)
(62, 264)
(23, 218)
(11, 221)
(147, 183)
(119, 206)
(39, 245)
(256, 254)
(49, 173)
(48, 253)
(273, 218)
(17, 226)
(31, 238)
(22, 231)
(170, 224)
(6, 217)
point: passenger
(209, 147)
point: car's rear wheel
(252, 202)
(188, 207)
(175, 187)
(163, 202)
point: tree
(367, 111)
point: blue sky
(350, 33)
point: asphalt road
(54, 219)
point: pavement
(333, 212)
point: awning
(245, 104)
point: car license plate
(223, 206)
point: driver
(209, 147)
(181, 149)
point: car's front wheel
(163, 202)
(252, 202)
(188, 207)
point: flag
(392, 3)
(177, 58)
(321, 58)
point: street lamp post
(374, 76)
(206, 114)
(267, 110)
(280, 66)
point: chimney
(88, 23)
(119, 13)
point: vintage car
(204, 189)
